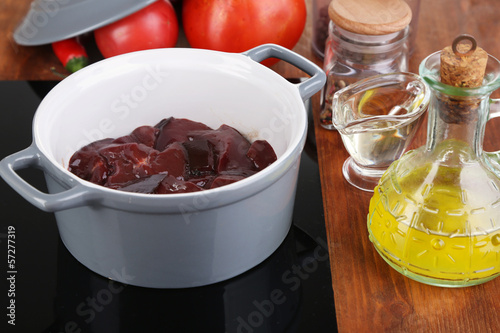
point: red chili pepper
(71, 53)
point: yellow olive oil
(437, 224)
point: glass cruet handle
(494, 108)
(494, 156)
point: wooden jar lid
(370, 17)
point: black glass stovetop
(50, 291)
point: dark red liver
(175, 156)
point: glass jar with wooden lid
(365, 38)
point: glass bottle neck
(457, 122)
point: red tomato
(239, 25)
(154, 26)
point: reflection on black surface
(264, 299)
(289, 292)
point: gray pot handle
(307, 88)
(75, 196)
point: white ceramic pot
(180, 240)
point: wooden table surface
(369, 295)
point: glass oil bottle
(435, 214)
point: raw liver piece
(88, 164)
(144, 134)
(225, 180)
(175, 130)
(201, 157)
(126, 162)
(171, 185)
(261, 154)
(230, 147)
(146, 185)
(203, 182)
(172, 160)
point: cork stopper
(370, 17)
(463, 64)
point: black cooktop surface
(44, 289)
